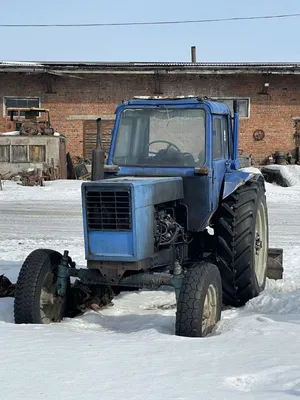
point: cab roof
(214, 106)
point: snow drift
(129, 350)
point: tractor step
(275, 263)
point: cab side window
(217, 139)
(226, 137)
(221, 143)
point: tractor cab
(191, 138)
(181, 133)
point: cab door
(220, 155)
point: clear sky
(260, 40)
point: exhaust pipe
(98, 157)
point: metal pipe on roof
(193, 54)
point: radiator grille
(109, 210)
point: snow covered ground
(129, 351)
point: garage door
(90, 136)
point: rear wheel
(242, 243)
(200, 301)
(36, 298)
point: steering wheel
(162, 141)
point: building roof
(78, 67)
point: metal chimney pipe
(193, 54)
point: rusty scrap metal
(32, 124)
(31, 128)
(32, 178)
(81, 167)
(80, 297)
(50, 172)
(35, 177)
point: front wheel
(36, 298)
(200, 301)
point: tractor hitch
(275, 263)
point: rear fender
(234, 179)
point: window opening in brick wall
(19, 153)
(37, 153)
(243, 106)
(20, 102)
(4, 153)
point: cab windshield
(161, 137)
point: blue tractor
(171, 207)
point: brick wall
(99, 95)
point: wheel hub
(258, 243)
(50, 303)
(209, 309)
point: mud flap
(275, 264)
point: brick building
(78, 93)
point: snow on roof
(21, 63)
(152, 67)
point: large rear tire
(36, 299)
(242, 243)
(200, 301)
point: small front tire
(36, 299)
(200, 301)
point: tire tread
(28, 282)
(190, 302)
(234, 231)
